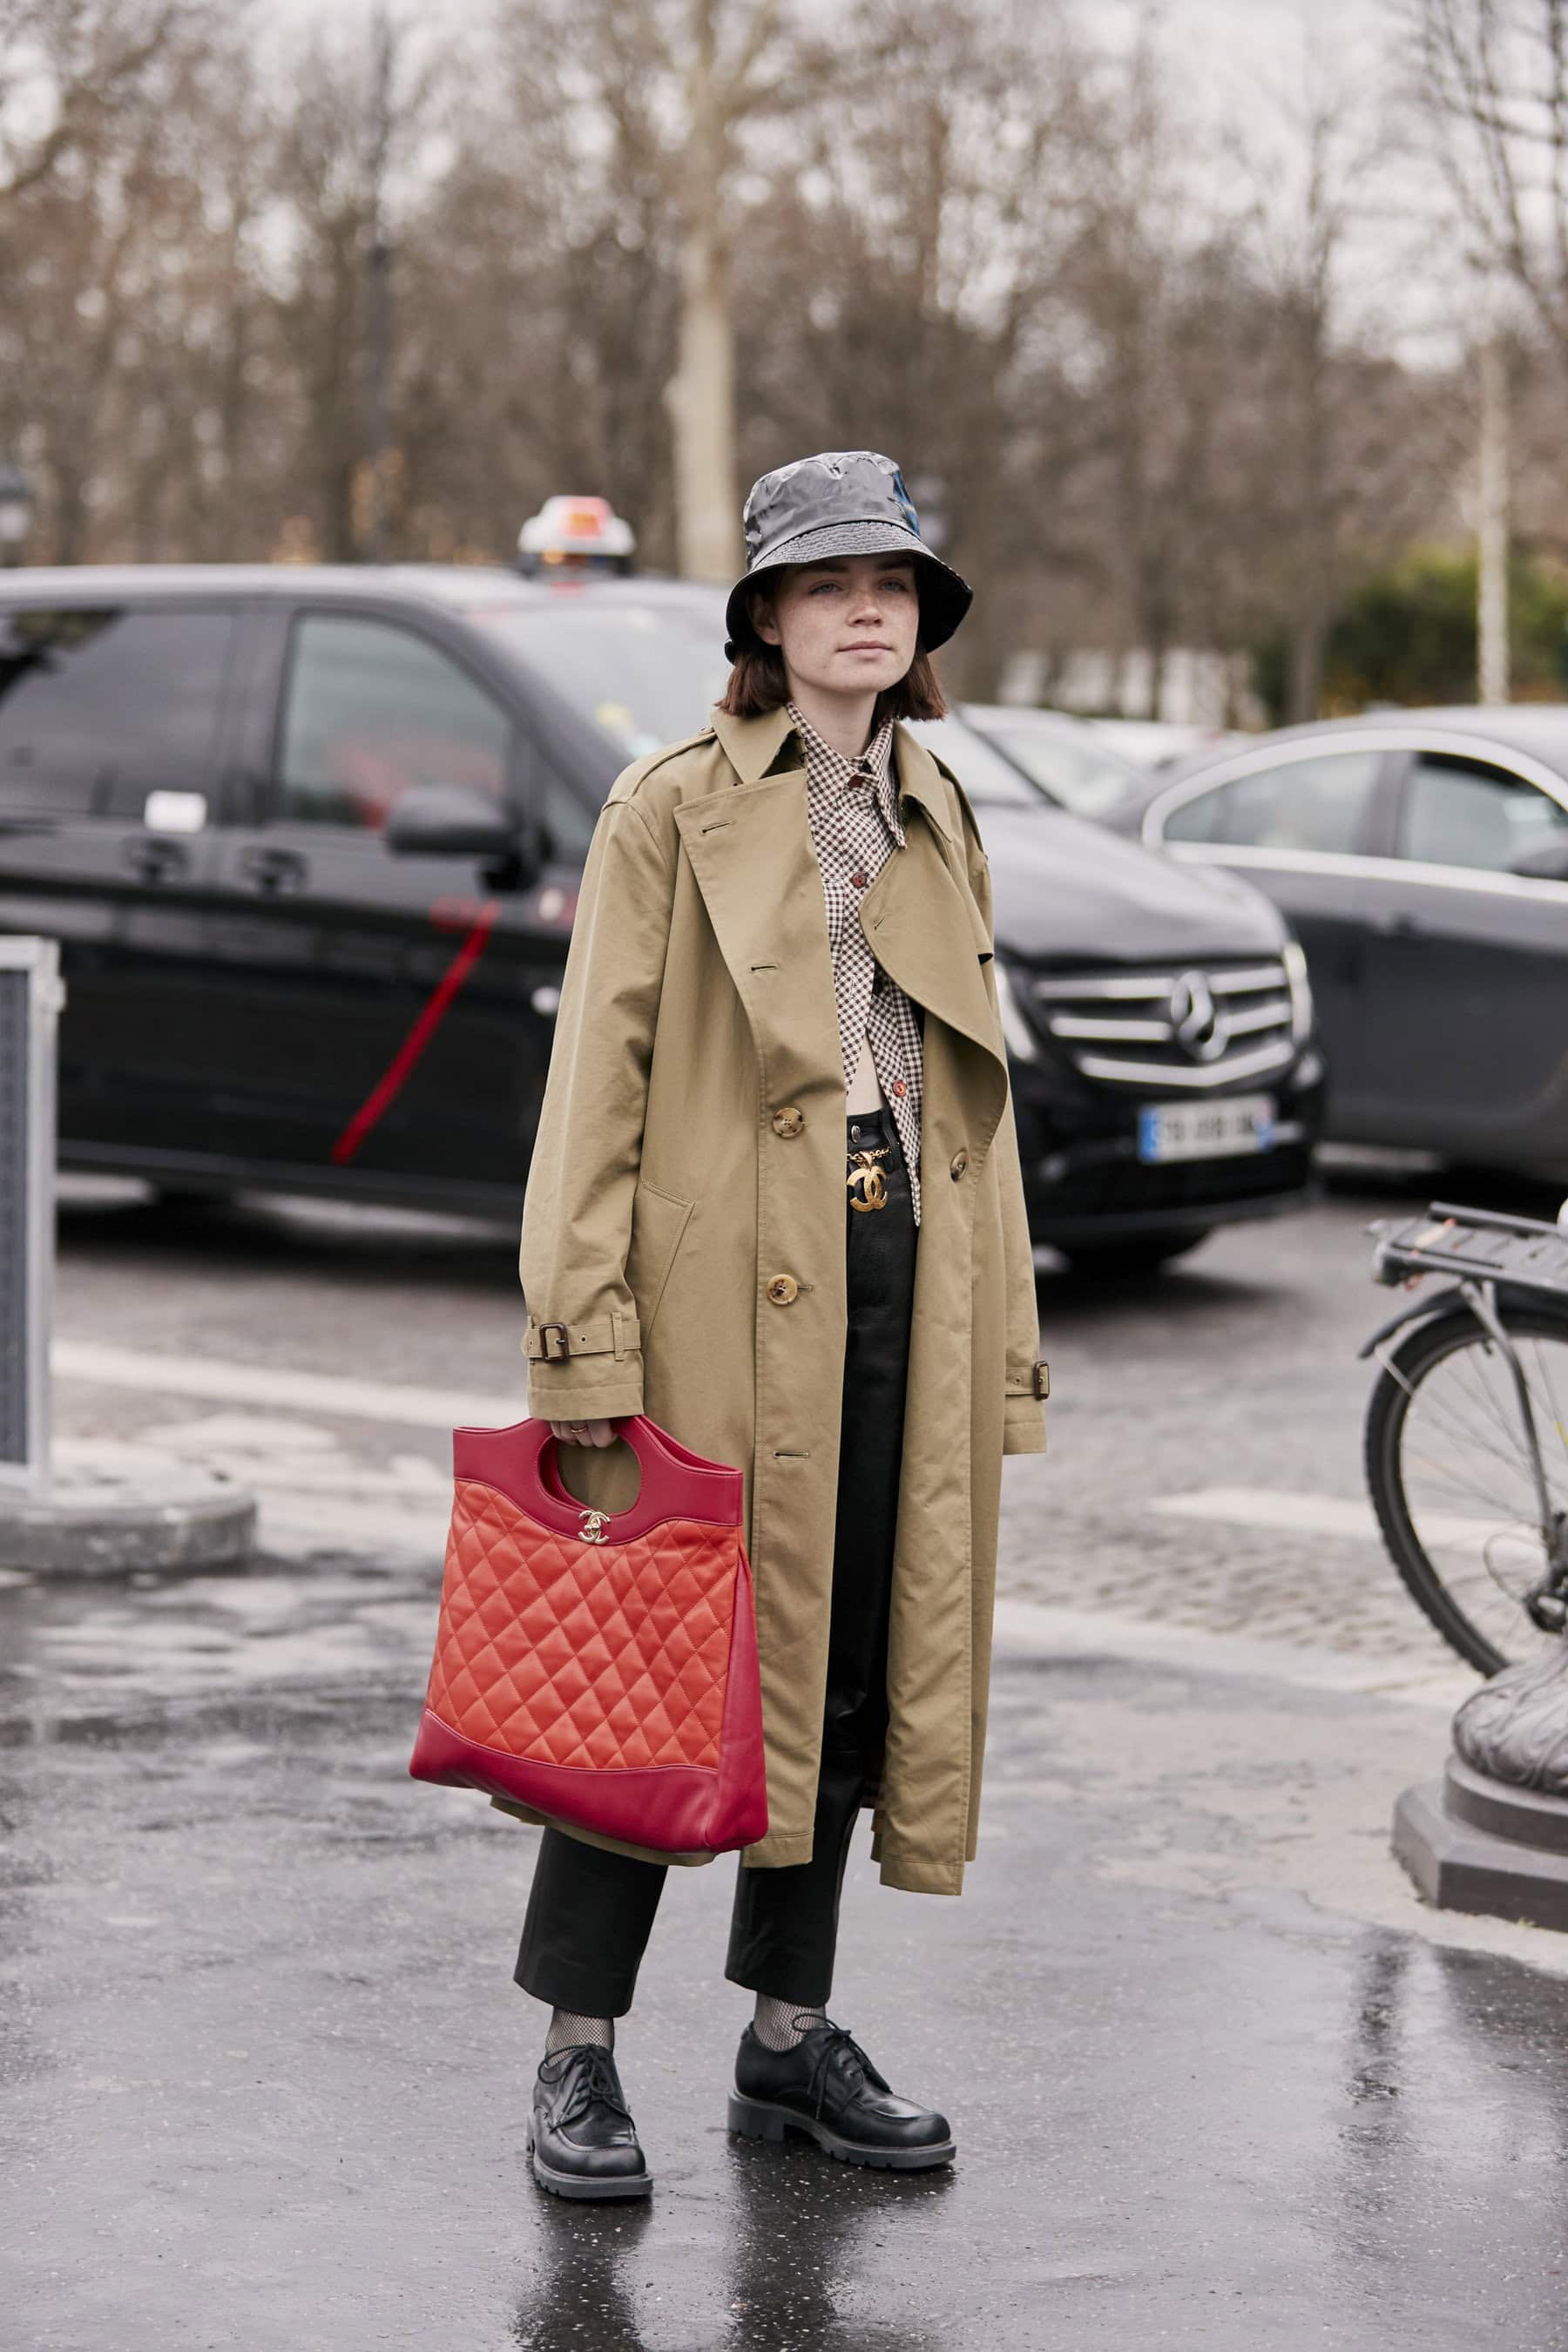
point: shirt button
(859, 881)
(789, 1120)
(900, 1088)
(783, 1289)
(957, 1165)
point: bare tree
(1491, 77)
(66, 66)
(686, 82)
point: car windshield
(1078, 771)
(649, 673)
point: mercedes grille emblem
(1197, 1020)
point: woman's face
(848, 625)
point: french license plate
(1213, 1130)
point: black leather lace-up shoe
(581, 2135)
(827, 2088)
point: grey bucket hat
(841, 502)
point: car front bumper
(1084, 1181)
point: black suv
(310, 840)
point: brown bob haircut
(757, 684)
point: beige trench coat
(691, 1149)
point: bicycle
(1466, 1428)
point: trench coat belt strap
(602, 1335)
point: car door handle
(275, 873)
(151, 859)
(1400, 927)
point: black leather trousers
(589, 1913)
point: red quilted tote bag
(599, 1668)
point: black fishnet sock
(780, 2024)
(570, 2031)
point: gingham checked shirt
(852, 808)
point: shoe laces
(837, 2042)
(595, 2083)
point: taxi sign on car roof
(574, 534)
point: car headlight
(1015, 1029)
(1295, 961)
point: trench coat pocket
(658, 1225)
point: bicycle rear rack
(1475, 1244)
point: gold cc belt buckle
(863, 1171)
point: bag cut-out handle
(676, 1482)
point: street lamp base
(124, 1512)
(1473, 1844)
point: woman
(785, 922)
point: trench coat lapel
(751, 850)
(923, 925)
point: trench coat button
(957, 1164)
(788, 1121)
(783, 1289)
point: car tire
(1134, 1254)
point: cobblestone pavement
(1234, 1370)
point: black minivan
(311, 839)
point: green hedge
(1409, 634)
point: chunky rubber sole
(760, 2119)
(584, 2188)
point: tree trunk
(1309, 631)
(701, 395)
(701, 403)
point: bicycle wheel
(1451, 1478)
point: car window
(1461, 812)
(99, 707)
(1071, 767)
(568, 820)
(1317, 804)
(372, 710)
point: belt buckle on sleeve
(565, 1348)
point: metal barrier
(31, 998)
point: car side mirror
(1547, 864)
(452, 821)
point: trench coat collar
(753, 746)
(755, 866)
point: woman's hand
(583, 1432)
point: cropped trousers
(590, 1912)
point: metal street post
(30, 1001)
(107, 1509)
(1491, 570)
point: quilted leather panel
(613, 1656)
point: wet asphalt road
(265, 2072)
(1218, 2080)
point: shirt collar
(830, 771)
